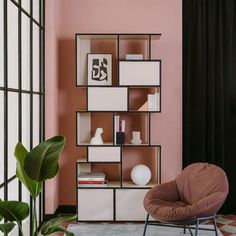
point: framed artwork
(99, 69)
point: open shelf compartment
(94, 44)
(112, 173)
(132, 156)
(135, 121)
(144, 99)
(88, 122)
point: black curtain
(209, 87)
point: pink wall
(51, 96)
(111, 16)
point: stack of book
(154, 102)
(92, 180)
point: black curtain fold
(209, 87)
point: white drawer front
(140, 73)
(107, 99)
(129, 204)
(95, 204)
(104, 154)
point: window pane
(13, 190)
(36, 10)
(1, 45)
(26, 5)
(26, 120)
(35, 57)
(35, 120)
(2, 193)
(25, 43)
(12, 36)
(12, 131)
(1, 137)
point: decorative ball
(141, 175)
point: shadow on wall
(70, 99)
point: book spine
(151, 102)
(123, 126)
(91, 179)
(92, 185)
(91, 182)
(157, 101)
(116, 127)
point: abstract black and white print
(99, 69)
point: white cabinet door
(104, 154)
(107, 99)
(140, 73)
(129, 204)
(95, 204)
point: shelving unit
(132, 81)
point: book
(90, 182)
(134, 57)
(116, 127)
(151, 102)
(92, 185)
(91, 177)
(157, 101)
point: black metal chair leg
(145, 226)
(196, 230)
(184, 229)
(215, 227)
(190, 231)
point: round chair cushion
(174, 202)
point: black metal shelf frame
(118, 37)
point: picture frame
(99, 69)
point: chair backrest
(199, 180)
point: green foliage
(7, 227)
(41, 163)
(14, 210)
(54, 225)
(32, 169)
(33, 187)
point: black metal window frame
(40, 23)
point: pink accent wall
(63, 99)
(51, 95)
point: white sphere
(141, 175)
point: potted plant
(34, 167)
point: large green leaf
(34, 187)
(41, 163)
(14, 210)
(7, 227)
(54, 225)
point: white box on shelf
(140, 73)
(107, 99)
(104, 154)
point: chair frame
(184, 224)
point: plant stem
(20, 228)
(35, 222)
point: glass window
(13, 190)
(1, 137)
(1, 45)
(36, 46)
(26, 120)
(12, 131)
(36, 124)
(12, 45)
(25, 52)
(2, 193)
(26, 5)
